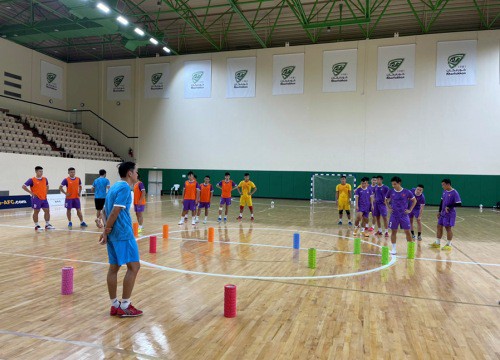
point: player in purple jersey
(418, 211)
(379, 207)
(447, 214)
(373, 186)
(397, 201)
(364, 204)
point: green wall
(474, 189)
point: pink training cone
(67, 280)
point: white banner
(119, 83)
(288, 74)
(51, 80)
(197, 79)
(241, 77)
(339, 70)
(156, 80)
(456, 63)
(396, 67)
(56, 199)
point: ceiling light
(103, 8)
(139, 31)
(7, 7)
(166, 49)
(56, 30)
(122, 20)
(153, 41)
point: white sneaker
(193, 222)
(181, 222)
(393, 252)
(204, 221)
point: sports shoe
(252, 218)
(370, 228)
(193, 222)
(446, 248)
(139, 231)
(239, 217)
(70, 224)
(340, 222)
(386, 234)
(435, 245)
(128, 312)
(419, 238)
(204, 221)
(378, 233)
(349, 223)
(113, 311)
(365, 234)
(413, 237)
(49, 227)
(38, 228)
(197, 220)
(83, 224)
(219, 219)
(225, 220)
(356, 231)
(393, 252)
(181, 222)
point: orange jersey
(72, 187)
(227, 188)
(138, 189)
(190, 190)
(206, 192)
(38, 187)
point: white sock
(241, 214)
(393, 247)
(36, 224)
(386, 230)
(379, 229)
(125, 303)
(206, 217)
(47, 223)
(182, 219)
(438, 241)
(115, 302)
(140, 226)
(251, 215)
(448, 243)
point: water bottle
(272, 204)
(480, 207)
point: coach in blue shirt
(100, 187)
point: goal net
(323, 186)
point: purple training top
(420, 201)
(380, 193)
(65, 181)
(363, 197)
(30, 183)
(141, 186)
(399, 200)
(450, 198)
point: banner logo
(156, 77)
(455, 59)
(287, 71)
(197, 76)
(118, 80)
(240, 75)
(338, 68)
(394, 64)
(51, 77)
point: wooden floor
(438, 306)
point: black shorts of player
(99, 204)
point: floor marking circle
(167, 268)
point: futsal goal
(323, 186)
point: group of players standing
(405, 206)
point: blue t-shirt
(119, 195)
(100, 184)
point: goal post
(323, 186)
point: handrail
(72, 111)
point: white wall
(18, 168)
(25, 62)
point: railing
(86, 120)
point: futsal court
(438, 305)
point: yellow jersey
(246, 187)
(343, 190)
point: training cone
(211, 234)
(385, 255)
(152, 244)
(357, 246)
(135, 227)
(230, 301)
(296, 241)
(67, 280)
(165, 231)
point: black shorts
(99, 203)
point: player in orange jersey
(39, 186)
(73, 192)
(206, 192)
(139, 201)
(227, 186)
(191, 197)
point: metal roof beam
(238, 12)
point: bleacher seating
(72, 140)
(15, 139)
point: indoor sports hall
(249, 179)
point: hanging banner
(288, 74)
(51, 80)
(156, 80)
(197, 79)
(119, 83)
(339, 70)
(396, 67)
(456, 63)
(241, 77)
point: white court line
(53, 258)
(491, 221)
(76, 343)
(48, 231)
